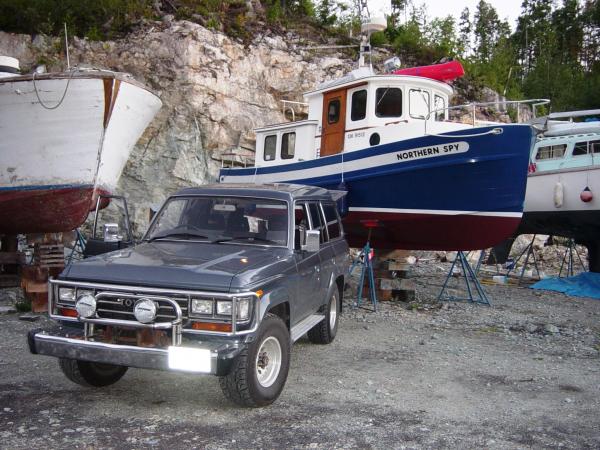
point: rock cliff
(215, 91)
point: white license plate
(190, 359)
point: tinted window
(551, 152)
(333, 111)
(388, 102)
(301, 220)
(581, 148)
(594, 146)
(317, 220)
(288, 145)
(236, 220)
(440, 104)
(359, 105)
(331, 218)
(270, 147)
(419, 103)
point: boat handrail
(246, 160)
(289, 105)
(535, 102)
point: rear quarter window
(332, 221)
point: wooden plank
(397, 284)
(10, 257)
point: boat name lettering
(357, 134)
(434, 150)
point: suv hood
(178, 265)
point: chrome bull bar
(176, 325)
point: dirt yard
(524, 373)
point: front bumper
(68, 342)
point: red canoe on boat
(446, 72)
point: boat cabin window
(439, 106)
(585, 147)
(551, 152)
(288, 145)
(388, 102)
(270, 147)
(333, 111)
(359, 105)
(419, 103)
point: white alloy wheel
(332, 312)
(268, 361)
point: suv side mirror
(111, 232)
(312, 242)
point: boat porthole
(374, 139)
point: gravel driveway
(524, 373)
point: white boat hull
(55, 151)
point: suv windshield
(222, 219)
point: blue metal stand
(569, 258)
(471, 280)
(78, 248)
(364, 260)
(530, 252)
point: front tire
(324, 332)
(259, 372)
(91, 374)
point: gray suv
(225, 279)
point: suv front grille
(115, 307)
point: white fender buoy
(586, 195)
(558, 194)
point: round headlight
(145, 310)
(86, 305)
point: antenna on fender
(67, 46)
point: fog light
(86, 305)
(145, 310)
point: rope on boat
(37, 94)
(452, 136)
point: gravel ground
(524, 373)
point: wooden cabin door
(334, 122)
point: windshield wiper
(246, 238)
(180, 235)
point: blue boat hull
(458, 191)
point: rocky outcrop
(215, 91)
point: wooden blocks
(391, 276)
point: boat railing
(234, 159)
(288, 105)
(475, 106)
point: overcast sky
(507, 9)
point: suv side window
(300, 220)
(316, 218)
(332, 221)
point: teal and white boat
(563, 186)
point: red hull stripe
(44, 210)
(439, 231)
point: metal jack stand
(570, 259)
(482, 256)
(364, 260)
(471, 281)
(78, 248)
(530, 252)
